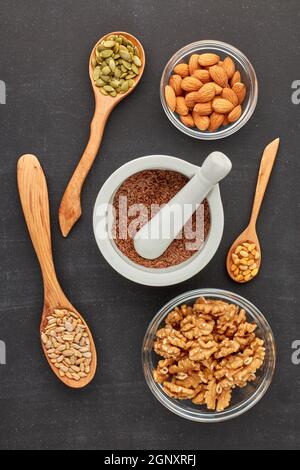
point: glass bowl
(242, 398)
(248, 77)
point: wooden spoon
(70, 208)
(35, 203)
(250, 235)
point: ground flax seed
(156, 187)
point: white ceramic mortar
(141, 274)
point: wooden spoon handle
(35, 203)
(70, 208)
(266, 166)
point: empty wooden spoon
(70, 208)
(35, 203)
(244, 256)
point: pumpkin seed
(113, 93)
(96, 73)
(125, 86)
(112, 65)
(117, 73)
(109, 89)
(125, 55)
(107, 53)
(106, 70)
(134, 69)
(137, 61)
(109, 44)
(104, 92)
(105, 78)
(94, 62)
(126, 64)
(136, 52)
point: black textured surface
(43, 60)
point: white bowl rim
(158, 277)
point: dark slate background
(44, 49)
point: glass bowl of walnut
(209, 355)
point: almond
(222, 106)
(240, 90)
(201, 122)
(236, 78)
(170, 98)
(191, 84)
(235, 114)
(218, 88)
(202, 75)
(209, 59)
(191, 99)
(193, 63)
(225, 122)
(216, 121)
(187, 120)
(229, 67)
(181, 107)
(230, 95)
(175, 83)
(206, 93)
(204, 109)
(182, 70)
(218, 74)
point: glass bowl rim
(231, 412)
(249, 70)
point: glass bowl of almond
(209, 355)
(209, 90)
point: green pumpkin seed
(108, 88)
(109, 44)
(96, 73)
(105, 78)
(104, 92)
(117, 73)
(116, 48)
(107, 53)
(126, 64)
(113, 93)
(112, 65)
(136, 52)
(134, 69)
(106, 70)
(130, 48)
(119, 40)
(131, 83)
(99, 60)
(130, 76)
(94, 62)
(99, 82)
(124, 74)
(116, 56)
(125, 86)
(100, 48)
(137, 61)
(114, 83)
(123, 48)
(125, 55)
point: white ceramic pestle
(156, 236)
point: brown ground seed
(155, 187)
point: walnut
(195, 327)
(204, 350)
(177, 391)
(170, 343)
(209, 349)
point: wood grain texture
(70, 208)
(35, 203)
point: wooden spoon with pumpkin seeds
(115, 51)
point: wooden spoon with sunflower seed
(66, 339)
(116, 66)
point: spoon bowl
(70, 208)
(248, 236)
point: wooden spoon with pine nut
(61, 322)
(244, 257)
(70, 207)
